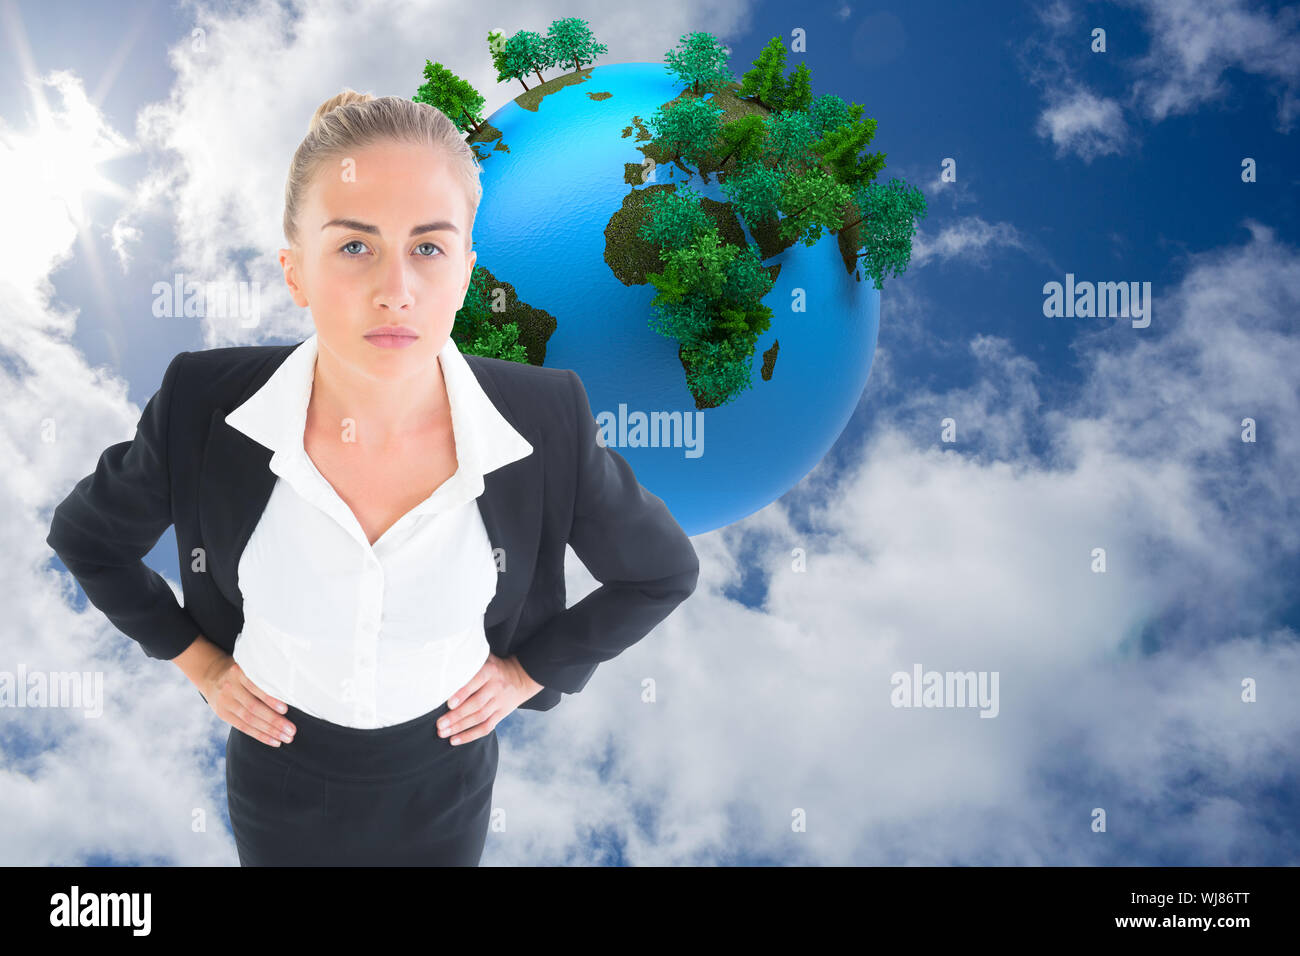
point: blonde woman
(371, 526)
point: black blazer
(187, 467)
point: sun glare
(59, 160)
(64, 166)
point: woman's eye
(358, 242)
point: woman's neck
(385, 413)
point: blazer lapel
(235, 483)
(511, 506)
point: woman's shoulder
(229, 369)
(529, 395)
(234, 357)
(206, 380)
(517, 371)
(521, 379)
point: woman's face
(401, 257)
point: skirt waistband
(340, 753)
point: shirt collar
(276, 414)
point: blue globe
(552, 181)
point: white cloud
(971, 239)
(1193, 47)
(1082, 122)
(1196, 43)
(74, 787)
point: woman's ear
(289, 263)
(469, 273)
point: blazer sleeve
(113, 517)
(632, 545)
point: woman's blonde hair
(350, 121)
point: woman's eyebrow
(437, 226)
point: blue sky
(1119, 690)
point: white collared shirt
(361, 635)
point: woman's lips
(392, 336)
(385, 340)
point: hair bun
(339, 99)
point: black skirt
(348, 796)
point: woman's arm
(197, 662)
(630, 542)
(110, 521)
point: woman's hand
(242, 704)
(500, 686)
